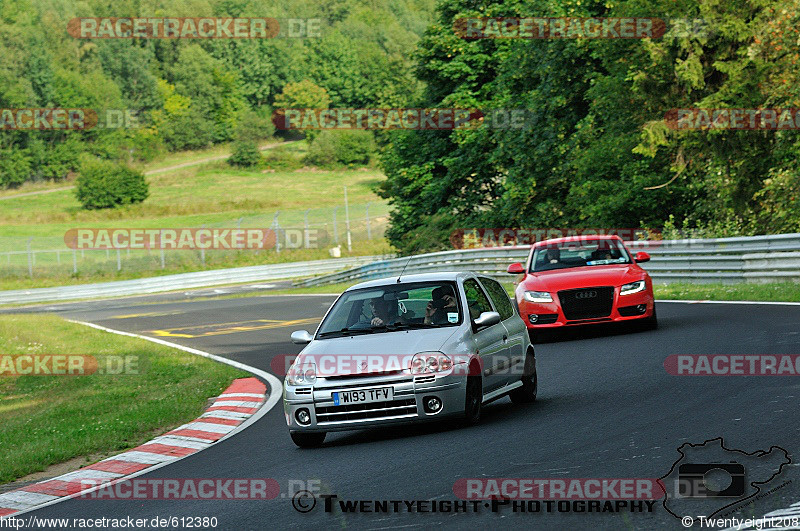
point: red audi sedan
(584, 280)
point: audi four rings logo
(586, 295)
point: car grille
(586, 303)
(363, 375)
(373, 410)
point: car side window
(477, 302)
(499, 297)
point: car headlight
(428, 362)
(633, 287)
(305, 374)
(538, 296)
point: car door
(515, 328)
(490, 341)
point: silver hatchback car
(396, 350)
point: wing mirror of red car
(516, 269)
(642, 256)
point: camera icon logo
(707, 480)
(709, 477)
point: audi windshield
(579, 254)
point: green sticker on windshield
(452, 317)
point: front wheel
(313, 439)
(530, 383)
(473, 400)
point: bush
(341, 147)
(322, 151)
(15, 167)
(190, 131)
(245, 154)
(354, 147)
(254, 126)
(61, 159)
(281, 159)
(106, 184)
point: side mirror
(486, 319)
(516, 269)
(641, 256)
(301, 337)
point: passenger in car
(442, 301)
(553, 256)
(380, 311)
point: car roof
(577, 239)
(419, 277)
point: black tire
(530, 383)
(651, 323)
(473, 401)
(310, 439)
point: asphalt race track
(607, 409)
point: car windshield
(393, 307)
(579, 254)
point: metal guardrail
(182, 281)
(724, 260)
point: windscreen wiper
(346, 332)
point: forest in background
(599, 139)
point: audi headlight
(538, 296)
(305, 374)
(428, 362)
(633, 287)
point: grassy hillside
(212, 194)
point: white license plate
(362, 396)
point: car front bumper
(625, 308)
(407, 404)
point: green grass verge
(772, 292)
(52, 419)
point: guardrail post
(335, 227)
(369, 228)
(277, 229)
(74, 262)
(30, 258)
(119, 261)
(163, 259)
(202, 249)
(347, 222)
